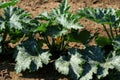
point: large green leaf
(62, 9)
(14, 18)
(70, 64)
(7, 4)
(103, 41)
(96, 63)
(83, 64)
(30, 56)
(55, 31)
(100, 15)
(62, 18)
(77, 36)
(68, 21)
(111, 62)
(89, 70)
(93, 56)
(103, 68)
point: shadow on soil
(48, 72)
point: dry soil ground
(36, 7)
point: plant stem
(22, 38)
(53, 42)
(3, 43)
(116, 32)
(5, 33)
(47, 42)
(107, 31)
(112, 35)
(62, 43)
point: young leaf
(62, 9)
(102, 41)
(76, 36)
(41, 28)
(68, 21)
(32, 55)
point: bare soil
(36, 7)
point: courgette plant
(57, 29)
(107, 18)
(54, 28)
(13, 22)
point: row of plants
(57, 29)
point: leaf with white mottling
(30, 57)
(71, 64)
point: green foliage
(103, 41)
(77, 36)
(13, 23)
(118, 21)
(100, 15)
(70, 64)
(82, 65)
(57, 25)
(108, 16)
(7, 4)
(60, 20)
(95, 59)
(56, 29)
(113, 75)
(30, 56)
(13, 18)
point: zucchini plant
(54, 28)
(57, 29)
(13, 22)
(109, 19)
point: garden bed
(39, 6)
